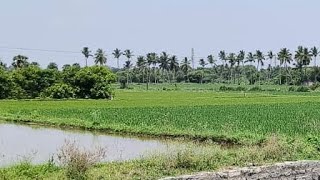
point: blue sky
(145, 26)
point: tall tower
(192, 58)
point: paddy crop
(235, 117)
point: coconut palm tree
(232, 61)
(240, 60)
(285, 57)
(250, 58)
(164, 63)
(3, 65)
(222, 57)
(127, 66)
(303, 57)
(141, 65)
(315, 52)
(212, 61)
(87, 53)
(152, 58)
(20, 61)
(203, 64)
(185, 67)
(259, 57)
(173, 65)
(270, 56)
(100, 57)
(117, 53)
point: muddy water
(38, 144)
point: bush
(256, 88)
(225, 88)
(78, 161)
(291, 88)
(302, 89)
(240, 88)
(59, 91)
(314, 86)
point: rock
(306, 170)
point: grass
(219, 116)
(194, 158)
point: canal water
(38, 144)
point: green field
(237, 117)
(270, 126)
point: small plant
(291, 89)
(77, 161)
(302, 89)
(256, 88)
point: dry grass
(77, 161)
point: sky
(174, 26)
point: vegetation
(25, 81)
(191, 159)
(232, 117)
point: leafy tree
(100, 57)
(20, 61)
(59, 91)
(87, 53)
(52, 65)
(88, 80)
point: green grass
(233, 117)
(191, 159)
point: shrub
(256, 88)
(225, 88)
(302, 89)
(240, 88)
(291, 88)
(314, 86)
(77, 161)
(59, 91)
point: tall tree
(222, 57)
(303, 57)
(141, 65)
(128, 54)
(315, 52)
(212, 61)
(164, 63)
(87, 53)
(185, 67)
(152, 58)
(240, 60)
(100, 57)
(285, 57)
(173, 66)
(270, 57)
(259, 57)
(117, 54)
(232, 61)
(203, 65)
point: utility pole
(192, 57)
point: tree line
(283, 67)
(27, 80)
